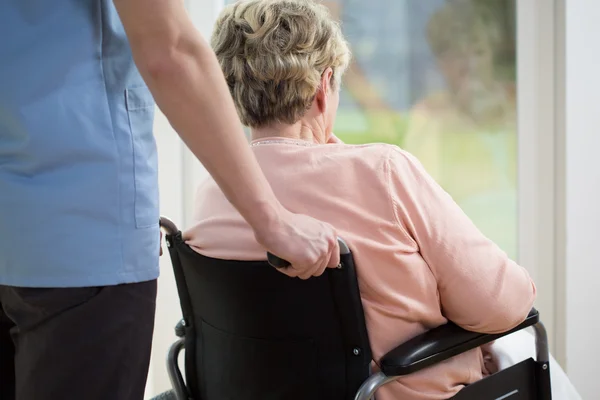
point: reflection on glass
(437, 78)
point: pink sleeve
(480, 288)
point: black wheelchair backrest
(253, 333)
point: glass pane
(437, 78)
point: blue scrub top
(78, 161)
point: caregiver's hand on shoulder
(307, 244)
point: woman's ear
(324, 90)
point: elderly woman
(421, 261)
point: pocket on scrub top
(140, 109)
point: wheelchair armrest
(440, 344)
(180, 328)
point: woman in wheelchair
(420, 261)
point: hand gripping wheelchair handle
(280, 263)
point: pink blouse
(420, 260)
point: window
(437, 78)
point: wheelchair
(252, 333)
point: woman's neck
(297, 131)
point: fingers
(329, 259)
(306, 272)
(316, 250)
(316, 269)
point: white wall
(536, 53)
(582, 174)
(179, 175)
(171, 179)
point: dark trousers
(76, 343)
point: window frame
(540, 94)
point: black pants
(76, 343)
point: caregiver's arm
(186, 81)
(480, 288)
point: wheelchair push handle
(168, 226)
(279, 263)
